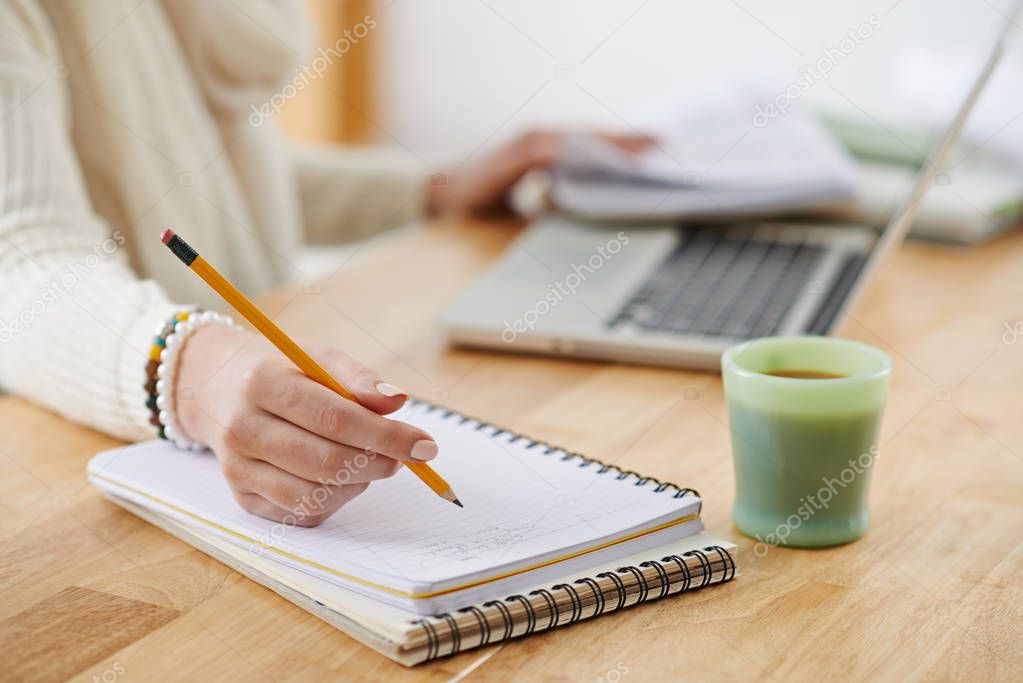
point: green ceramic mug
(805, 413)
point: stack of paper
(724, 158)
(546, 538)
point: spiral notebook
(565, 536)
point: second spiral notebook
(533, 513)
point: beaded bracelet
(161, 372)
(153, 367)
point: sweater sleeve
(75, 321)
(351, 193)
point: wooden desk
(934, 591)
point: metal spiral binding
(683, 568)
(726, 559)
(433, 642)
(598, 595)
(552, 606)
(530, 612)
(456, 633)
(727, 573)
(506, 617)
(661, 574)
(705, 565)
(577, 602)
(482, 620)
(566, 456)
(637, 573)
(619, 586)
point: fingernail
(390, 390)
(424, 449)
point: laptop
(681, 295)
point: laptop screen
(928, 174)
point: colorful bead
(160, 372)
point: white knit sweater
(119, 118)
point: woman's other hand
(484, 184)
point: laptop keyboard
(722, 283)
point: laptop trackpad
(561, 276)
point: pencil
(286, 344)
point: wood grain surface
(934, 591)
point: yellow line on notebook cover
(388, 589)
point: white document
(715, 159)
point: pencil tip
(166, 235)
(458, 503)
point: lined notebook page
(522, 505)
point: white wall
(459, 75)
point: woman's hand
(291, 449)
(484, 184)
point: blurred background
(447, 79)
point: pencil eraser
(166, 235)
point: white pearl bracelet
(166, 374)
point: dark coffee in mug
(804, 374)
